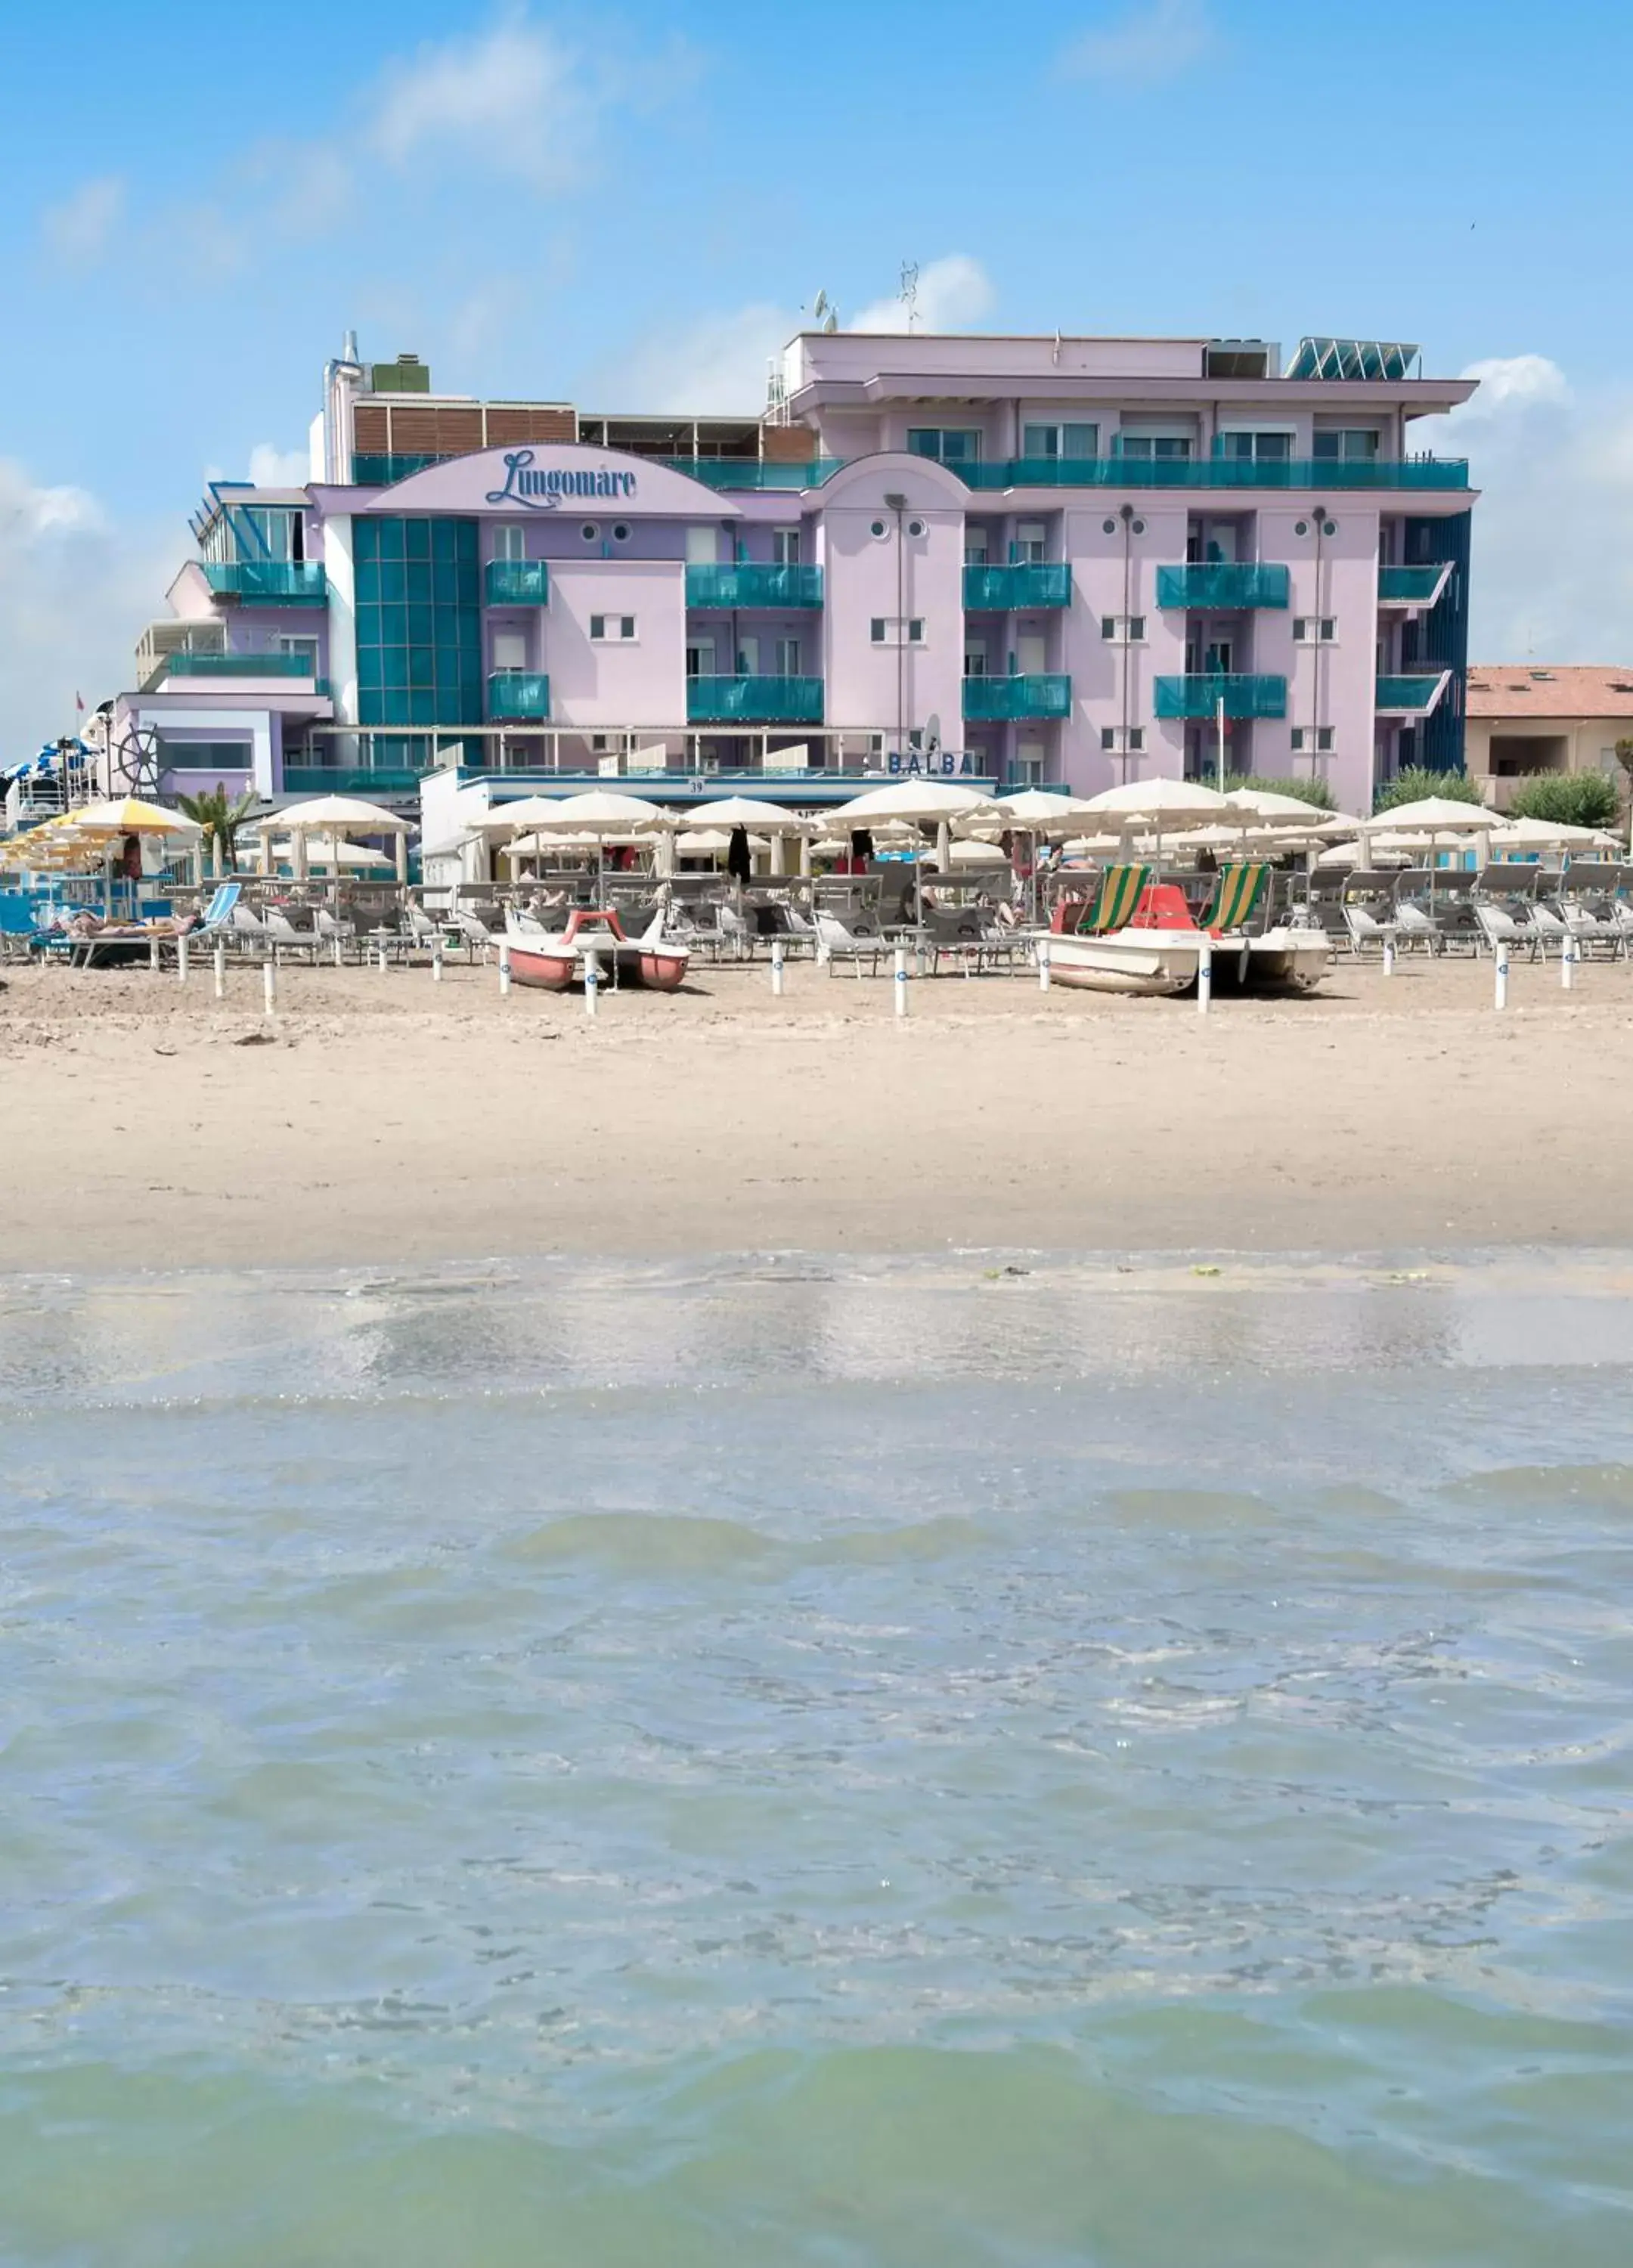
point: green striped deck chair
(1237, 895)
(1113, 904)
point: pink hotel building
(1059, 560)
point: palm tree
(220, 816)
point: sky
(632, 206)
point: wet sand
(381, 1117)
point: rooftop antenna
(349, 352)
(909, 292)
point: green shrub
(1567, 798)
(1417, 785)
(1308, 791)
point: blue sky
(628, 208)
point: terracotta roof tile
(1507, 689)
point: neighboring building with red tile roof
(1536, 717)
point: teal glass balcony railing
(268, 582)
(518, 583)
(1199, 697)
(753, 700)
(754, 472)
(748, 585)
(1220, 584)
(1000, 700)
(240, 664)
(1029, 583)
(1214, 473)
(379, 472)
(1410, 697)
(518, 697)
(1409, 585)
(351, 780)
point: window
(892, 629)
(591, 529)
(1111, 735)
(1148, 448)
(1031, 544)
(510, 650)
(1314, 630)
(1357, 443)
(974, 661)
(948, 444)
(1257, 448)
(785, 546)
(306, 648)
(876, 629)
(510, 543)
(421, 656)
(611, 630)
(700, 657)
(1124, 629)
(620, 531)
(1056, 441)
(974, 546)
(788, 657)
(702, 547)
(748, 656)
(1317, 740)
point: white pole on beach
(152, 952)
(380, 962)
(436, 958)
(1044, 974)
(776, 966)
(504, 968)
(269, 983)
(221, 969)
(1567, 962)
(1500, 1000)
(1389, 956)
(592, 985)
(899, 986)
(1204, 975)
(337, 953)
(181, 958)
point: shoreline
(386, 1121)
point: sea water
(978, 1762)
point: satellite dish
(831, 322)
(933, 734)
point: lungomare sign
(546, 488)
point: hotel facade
(1056, 560)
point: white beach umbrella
(1035, 811)
(599, 808)
(130, 815)
(922, 802)
(709, 842)
(323, 814)
(515, 818)
(970, 853)
(748, 811)
(1272, 808)
(351, 855)
(1160, 802)
(1550, 834)
(1432, 814)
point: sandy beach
(382, 1117)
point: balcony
(753, 700)
(1003, 700)
(748, 585)
(268, 582)
(1333, 473)
(518, 697)
(754, 472)
(1411, 697)
(382, 472)
(240, 665)
(1008, 590)
(1412, 586)
(1221, 584)
(1198, 697)
(342, 779)
(518, 583)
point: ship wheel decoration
(137, 757)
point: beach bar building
(1064, 561)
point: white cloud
(272, 467)
(715, 367)
(79, 230)
(74, 593)
(1148, 43)
(1552, 572)
(514, 97)
(952, 292)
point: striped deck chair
(1237, 896)
(1114, 903)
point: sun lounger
(860, 941)
(1369, 911)
(1113, 906)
